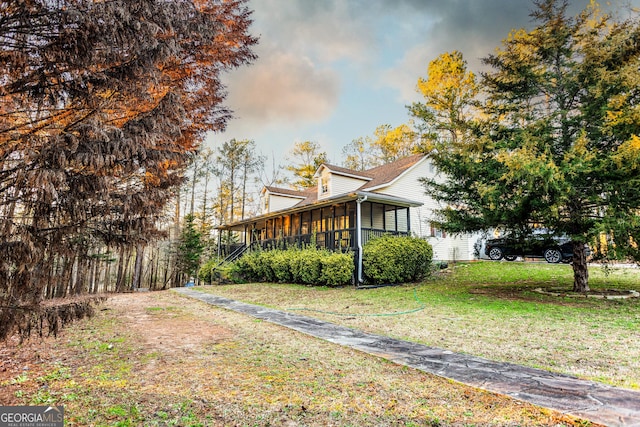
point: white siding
(337, 184)
(408, 187)
(277, 202)
(263, 206)
(343, 184)
(447, 248)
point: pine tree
(190, 248)
(101, 106)
(555, 143)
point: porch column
(359, 200)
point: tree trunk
(127, 269)
(204, 202)
(123, 269)
(176, 218)
(580, 269)
(82, 266)
(193, 186)
(137, 271)
(167, 268)
(107, 287)
(93, 274)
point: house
(347, 208)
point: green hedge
(213, 272)
(386, 259)
(391, 259)
(206, 271)
(304, 266)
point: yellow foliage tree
(449, 92)
(307, 157)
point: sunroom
(341, 223)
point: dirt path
(155, 359)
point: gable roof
(285, 192)
(343, 171)
(375, 178)
(386, 174)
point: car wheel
(511, 257)
(495, 254)
(553, 255)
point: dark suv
(552, 249)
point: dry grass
(159, 359)
(488, 309)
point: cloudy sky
(331, 71)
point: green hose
(334, 313)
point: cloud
(336, 66)
(295, 78)
(475, 28)
(327, 30)
(282, 86)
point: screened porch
(333, 226)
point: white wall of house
(336, 184)
(277, 202)
(447, 248)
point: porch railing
(335, 240)
(371, 233)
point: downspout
(359, 201)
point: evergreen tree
(190, 247)
(556, 141)
(102, 104)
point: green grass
(488, 309)
(196, 365)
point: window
(436, 232)
(403, 219)
(340, 219)
(324, 184)
(306, 222)
(390, 218)
(295, 224)
(316, 220)
(327, 219)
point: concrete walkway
(589, 400)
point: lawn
(160, 359)
(488, 309)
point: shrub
(213, 272)
(305, 266)
(280, 263)
(205, 272)
(337, 269)
(262, 267)
(246, 266)
(226, 274)
(390, 259)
